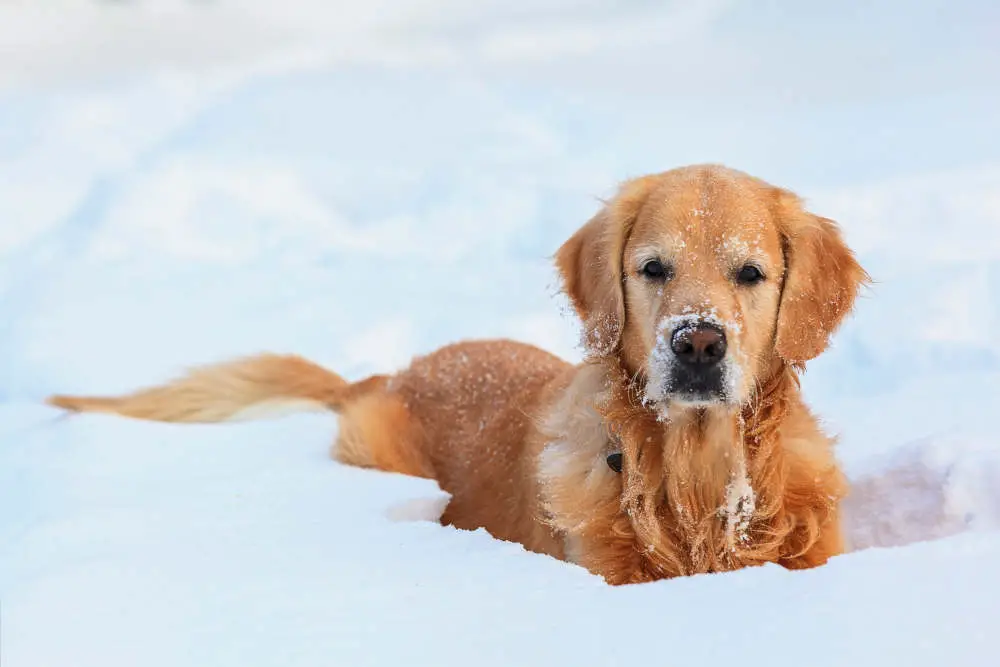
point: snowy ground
(184, 181)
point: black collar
(614, 459)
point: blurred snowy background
(359, 182)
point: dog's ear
(590, 264)
(822, 281)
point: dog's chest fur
(694, 495)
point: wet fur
(519, 437)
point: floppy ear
(822, 280)
(590, 264)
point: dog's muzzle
(689, 363)
(698, 350)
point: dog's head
(701, 279)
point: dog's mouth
(697, 393)
(671, 386)
(685, 386)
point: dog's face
(703, 269)
(700, 279)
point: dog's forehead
(717, 212)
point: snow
(740, 505)
(925, 490)
(182, 182)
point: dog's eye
(749, 275)
(655, 270)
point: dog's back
(464, 415)
(474, 407)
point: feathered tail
(239, 390)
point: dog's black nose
(699, 345)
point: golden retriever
(680, 445)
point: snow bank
(130, 543)
(925, 491)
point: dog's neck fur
(687, 499)
(689, 482)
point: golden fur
(519, 438)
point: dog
(679, 445)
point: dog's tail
(239, 390)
